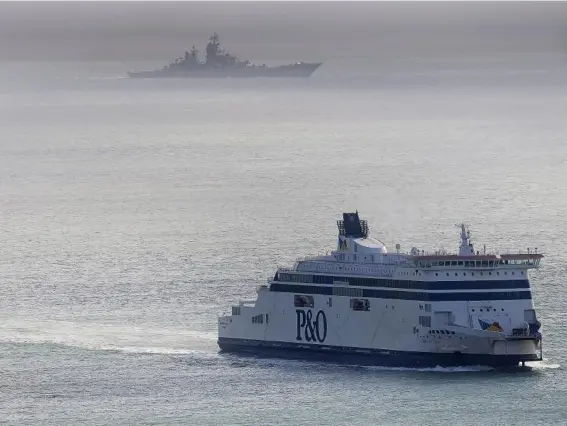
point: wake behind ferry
(361, 304)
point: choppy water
(134, 212)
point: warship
(220, 64)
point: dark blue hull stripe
(406, 295)
(358, 356)
(474, 284)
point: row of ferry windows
(378, 282)
(469, 263)
(354, 281)
(472, 273)
(259, 319)
(405, 295)
(425, 321)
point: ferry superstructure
(361, 304)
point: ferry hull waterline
(362, 305)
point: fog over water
(269, 30)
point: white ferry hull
(388, 334)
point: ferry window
(267, 319)
(236, 310)
(436, 274)
(464, 274)
(303, 301)
(425, 321)
(447, 273)
(360, 304)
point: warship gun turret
(219, 64)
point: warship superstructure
(220, 64)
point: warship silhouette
(219, 64)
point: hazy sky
(274, 30)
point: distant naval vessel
(219, 64)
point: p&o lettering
(309, 328)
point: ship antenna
(466, 248)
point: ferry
(363, 305)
